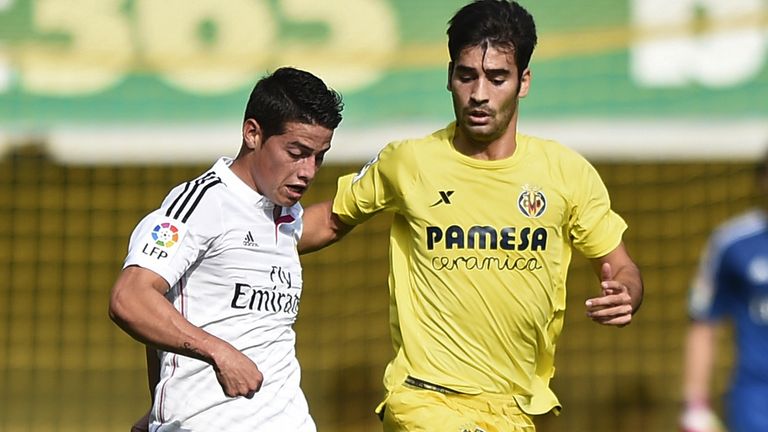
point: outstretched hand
(614, 306)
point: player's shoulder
(739, 228)
(407, 148)
(395, 158)
(550, 148)
(563, 161)
(196, 200)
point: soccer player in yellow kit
(484, 222)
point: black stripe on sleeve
(176, 201)
(187, 194)
(199, 197)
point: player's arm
(138, 306)
(375, 188)
(699, 360)
(621, 288)
(697, 416)
(322, 227)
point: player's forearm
(622, 270)
(147, 316)
(699, 359)
(164, 328)
(321, 227)
(629, 275)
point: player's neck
(499, 148)
(240, 168)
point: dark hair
(293, 95)
(497, 22)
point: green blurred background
(106, 105)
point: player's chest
(750, 279)
(495, 212)
(500, 200)
(258, 241)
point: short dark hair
(292, 95)
(496, 22)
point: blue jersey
(732, 282)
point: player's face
(486, 89)
(286, 164)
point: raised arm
(321, 227)
(138, 306)
(621, 289)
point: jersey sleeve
(169, 246)
(378, 186)
(709, 295)
(594, 228)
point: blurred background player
(731, 284)
(485, 219)
(212, 278)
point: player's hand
(700, 418)
(614, 306)
(238, 375)
(142, 424)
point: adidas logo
(249, 240)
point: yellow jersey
(479, 252)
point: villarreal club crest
(531, 201)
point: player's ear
(450, 72)
(252, 134)
(525, 83)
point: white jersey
(234, 271)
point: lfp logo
(165, 235)
(531, 201)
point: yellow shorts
(409, 408)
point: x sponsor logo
(445, 198)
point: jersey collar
(238, 186)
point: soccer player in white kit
(212, 279)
